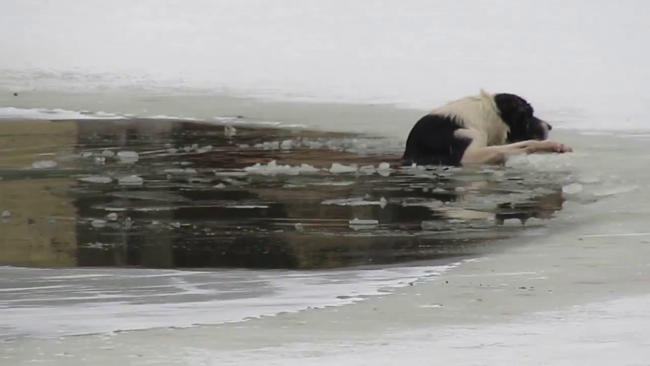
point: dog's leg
(499, 154)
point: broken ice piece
(357, 224)
(286, 145)
(96, 179)
(131, 180)
(128, 157)
(367, 169)
(229, 131)
(384, 169)
(108, 153)
(340, 168)
(97, 223)
(44, 164)
(204, 149)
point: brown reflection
(40, 219)
(198, 207)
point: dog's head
(518, 115)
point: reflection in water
(178, 194)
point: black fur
(518, 115)
(432, 139)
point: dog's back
(433, 141)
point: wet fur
(443, 136)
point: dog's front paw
(549, 146)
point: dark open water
(165, 193)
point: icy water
(187, 195)
(158, 193)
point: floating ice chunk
(417, 202)
(434, 225)
(355, 201)
(204, 149)
(128, 157)
(108, 153)
(357, 224)
(5, 215)
(572, 188)
(383, 166)
(268, 145)
(96, 179)
(181, 171)
(367, 169)
(100, 160)
(86, 154)
(98, 223)
(111, 216)
(286, 145)
(341, 183)
(131, 180)
(219, 186)
(44, 164)
(384, 169)
(273, 168)
(229, 131)
(312, 144)
(128, 223)
(340, 168)
(513, 222)
(97, 245)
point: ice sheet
(56, 302)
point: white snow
(50, 114)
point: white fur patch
(480, 114)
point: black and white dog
(486, 128)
